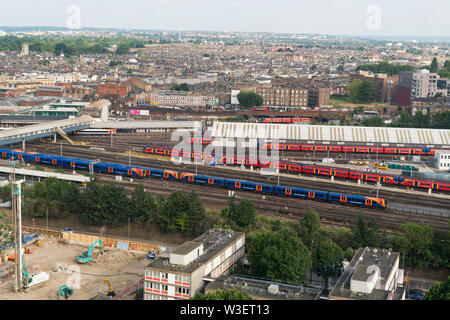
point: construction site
(54, 269)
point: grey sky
(345, 17)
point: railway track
(269, 204)
(388, 193)
(275, 206)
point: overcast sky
(340, 17)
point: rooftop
(358, 270)
(261, 289)
(214, 241)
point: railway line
(268, 205)
(421, 201)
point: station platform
(44, 174)
(147, 125)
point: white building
(190, 266)
(373, 274)
(442, 160)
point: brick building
(112, 89)
(386, 88)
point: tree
(278, 256)
(376, 121)
(249, 99)
(6, 234)
(439, 291)
(434, 66)
(353, 88)
(143, 206)
(362, 234)
(309, 228)
(327, 260)
(181, 87)
(123, 48)
(230, 294)
(243, 214)
(416, 243)
(366, 92)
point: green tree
(243, 214)
(353, 88)
(366, 92)
(123, 48)
(181, 87)
(230, 294)
(309, 228)
(278, 256)
(376, 121)
(439, 291)
(327, 260)
(249, 99)
(143, 206)
(6, 234)
(434, 66)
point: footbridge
(43, 130)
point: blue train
(142, 172)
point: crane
(34, 279)
(86, 256)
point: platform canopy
(332, 134)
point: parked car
(415, 294)
(66, 230)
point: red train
(349, 149)
(297, 168)
(286, 120)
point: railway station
(339, 135)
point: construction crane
(34, 279)
(111, 292)
(86, 256)
(65, 291)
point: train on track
(310, 169)
(349, 149)
(96, 132)
(286, 120)
(234, 184)
(338, 149)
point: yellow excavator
(111, 292)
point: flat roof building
(373, 274)
(189, 266)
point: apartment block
(386, 88)
(192, 265)
(175, 98)
(419, 85)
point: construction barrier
(109, 242)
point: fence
(109, 242)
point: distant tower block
(25, 49)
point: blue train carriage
(301, 193)
(119, 169)
(248, 186)
(154, 173)
(352, 199)
(171, 175)
(6, 153)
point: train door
(288, 192)
(368, 202)
(343, 199)
(311, 195)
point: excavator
(65, 291)
(86, 256)
(111, 292)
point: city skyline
(362, 17)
